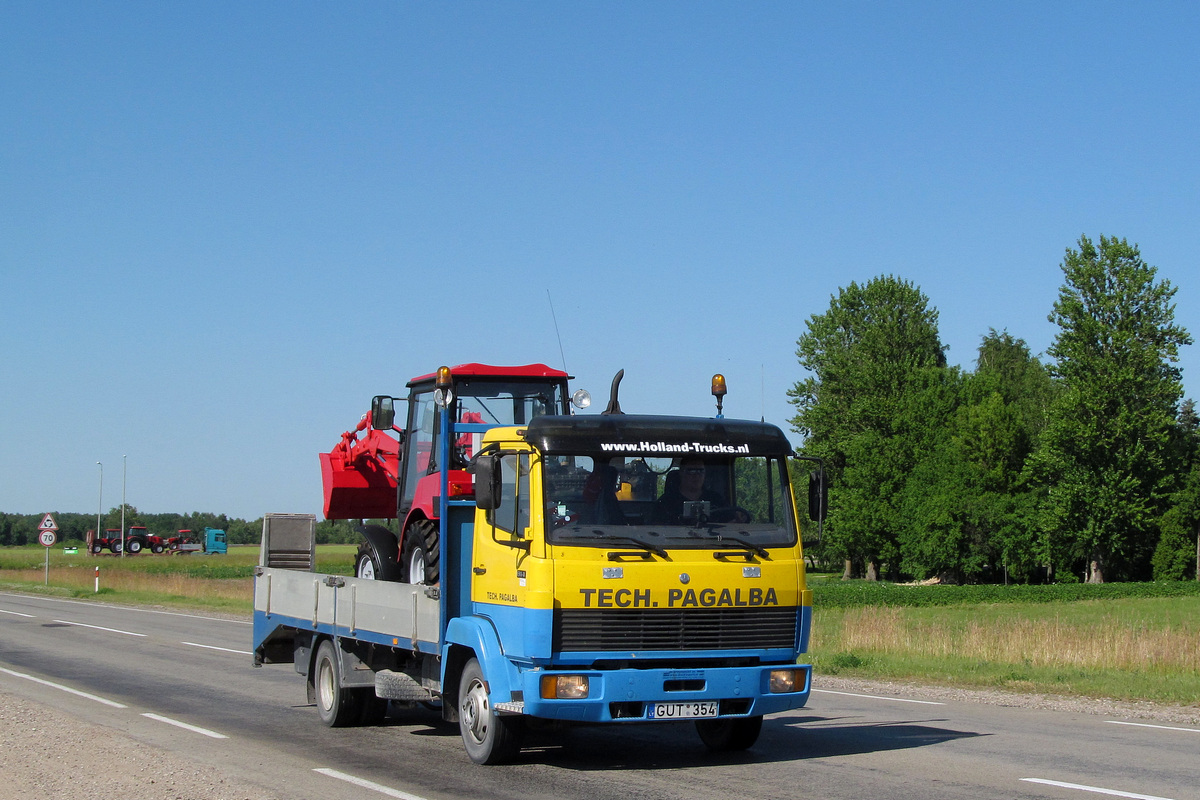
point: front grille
(628, 630)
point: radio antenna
(762, 389)
(556, 333)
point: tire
(133, 547)
(376, 557)
(116, 547)
(729, 734)
(372, 709)
(366, 564)
(338, 707)
(156, 549)
(421, 553)
(488, 737)
(97, 549)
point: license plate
(683, 710)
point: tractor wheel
(376, 557)
(365, 565)
(133, 547)
(97, 549)
(338, 707)
(116, 547)
(729, 734)
(156, 548)
(421, 552)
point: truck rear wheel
(338, 707)
(488, 737)
(729, 734)
(421, 553)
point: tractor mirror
(383, 413)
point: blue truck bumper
(632, 695)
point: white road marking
(365, 784)
(16, 613)
(876, 697)
(1144, 725)
(1095, 789)
(128, 609)
(60, 687)
(185, 726)
(99, 628)
(222, 649)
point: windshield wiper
(649, 548)
(761, 552)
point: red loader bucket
(359, 480)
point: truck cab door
(503, 537)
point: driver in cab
(685, 485)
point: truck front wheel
(729, 734)
(338, 706)
(488, 737)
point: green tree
(1107, 457)
(997, 432)
(1177, 556)
(858, 410)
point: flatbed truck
(595, 569)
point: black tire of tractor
(377, 555)
(421, 544)
(133, 547)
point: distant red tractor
(111, 540)
(139, 539)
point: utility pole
(123, 505)
(100, 504)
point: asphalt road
(185, 683)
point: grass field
(1129, 648)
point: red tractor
(139, 539)
(183, 543)
(111, 540)
(390, 472)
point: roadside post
(48, 535)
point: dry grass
(1063, 639)
(142, 584)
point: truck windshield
(662, 503)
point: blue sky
(225, 226)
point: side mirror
(487, 483)
(383, 413)
(818, 495)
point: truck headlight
(787, 680)
(564, 687)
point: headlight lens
(787, 680)
(564, 687)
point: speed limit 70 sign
(48, 538)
